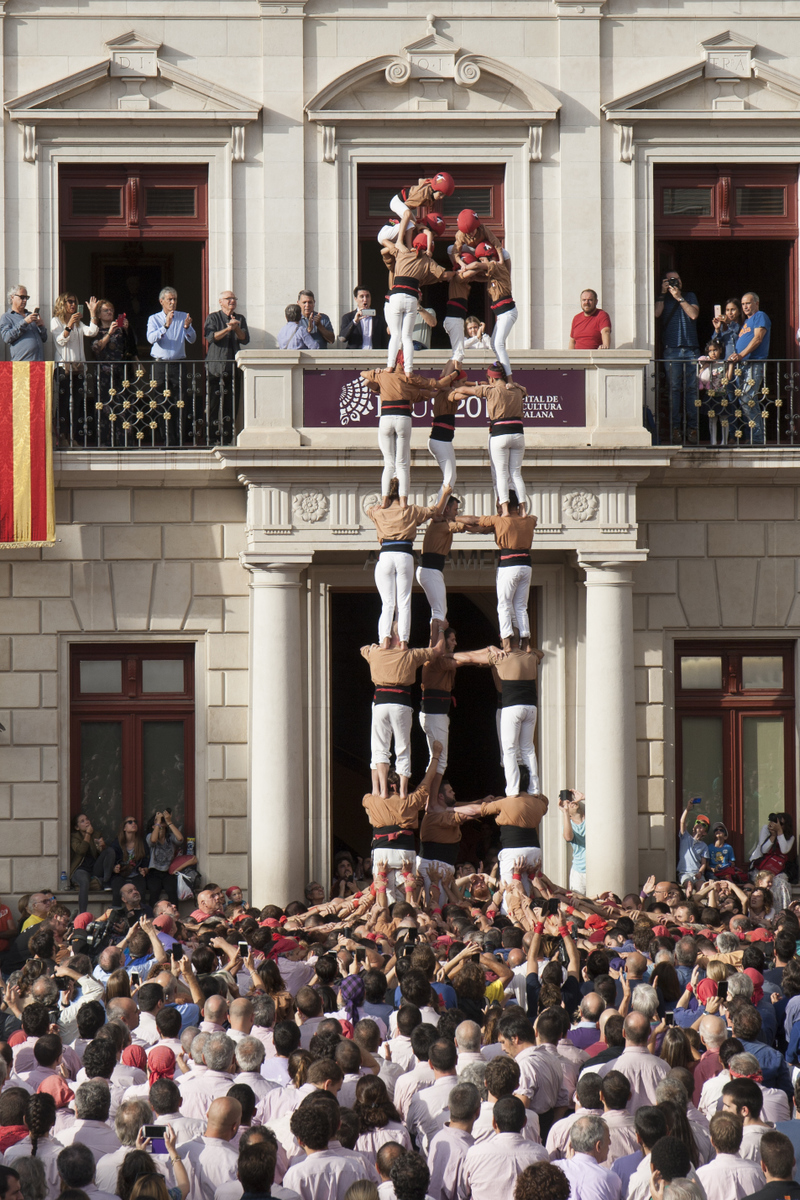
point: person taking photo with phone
(360, 329)
(24, 332)
(163, 838)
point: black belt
(434, 700)
(434, 562)
(393, 693)
(444, 851)
(393, 837)
(395, 408)
(504, 305)
(505, 425)
(405, 285)
(514, 558)
(455, 308)
(400, 546)
(515, 837)
(519, 691)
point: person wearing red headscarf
(160, 1064)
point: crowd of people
(473, 1039)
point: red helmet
(468, 220)
(443, 182)
(436, 223)
(468, 258)
(420, 242)
(485, 250)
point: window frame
(724, 180)
(133, 708)
(733, 703)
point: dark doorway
(720, 269)
(131, 274)
(474, 757)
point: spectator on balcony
(170, 330)
(726, 328)
(752, 348)
(24, 332)
(68, 332)
(114, 345)
(226, 332)
(361, 332)
(294, 335)
(678, 312)
(591, 328)
(316, 323)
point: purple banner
(340, 398)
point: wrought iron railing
(722, 405)
(143, 405)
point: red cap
(595, 922)
(468, 258)
(436, 223)
(420, 242)
(760, 935)
(82, 920)
(661, 931)
(484, 250)
(443, 182)
(468, 220)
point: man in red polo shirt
(591, 329)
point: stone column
(277, 734)
(610, 755)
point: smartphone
(80, 310)
(669, 1018)
(717, 310)
(697, 800)
(156, 1135)
(552, 908)
(368, 312)
(565, 795)
(722, 989)
(176, 951)
(36, 310)
(134, 978)
(244, 949)
(121, 320)
(361, 955)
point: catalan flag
(27, 501)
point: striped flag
(27, 501)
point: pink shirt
(490, 1169)
(210, 1162)
(588, 1180)
(94, 1134)
(324, 1175)
(483, 1127)
(623, 1134)
(573, 1060)
(429, 1110)
(643, 1071)
(47, 1151)
(400, 1049)
(186, 1129)
(445, 1154)
(369, 1143)
(541, 1078)
(200, 1093)
(408, 1085)
(558, 1137)
(730, 1177)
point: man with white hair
(249, 1057)
(216, 1080)
(168, 333)
(468, 1044)
(645, 1001)
(589, 1140)
(25, 333)
(713, 1032)
(775, 1104)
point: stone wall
(721, 560)
(129, 561)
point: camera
(564, 796)
(773, 817)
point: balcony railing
(143, 405)
(724, 405)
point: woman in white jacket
(68, 332)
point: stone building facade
(591, 129)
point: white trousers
(506, 859)
(388, 233)
(432, 583)
(445, 455)
(402, 317)
(454, 328)
(513, 586)
(436, 727)
(498, 718)
(507, 451)
(517, 725)
(394, 440)
(423, 866)
(394, 579)
(577, 881)
(398, 206)
(392, 721)
(502, 328)
(395, 861)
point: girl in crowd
(131, 856)
(91, 859)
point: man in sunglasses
(39, 907)
(24, 332)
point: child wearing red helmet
(424, 194)
(471, 232)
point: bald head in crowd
(636, 1029)
(224, 1119)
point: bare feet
(385, 501)
(404, 501)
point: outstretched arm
(477, 658)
